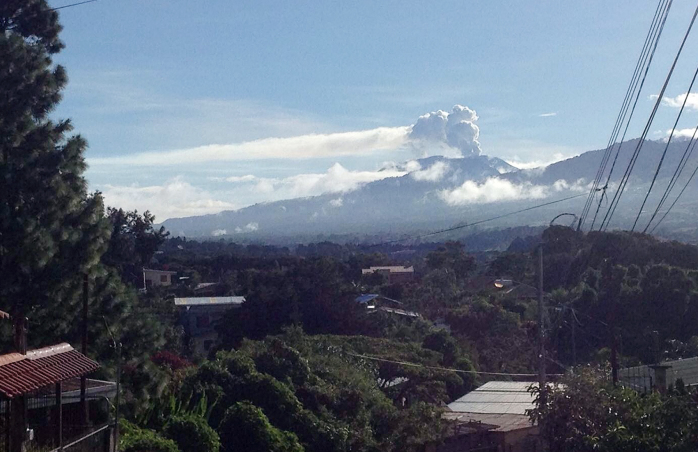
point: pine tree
(52, 231)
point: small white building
(157, 278)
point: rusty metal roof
(21, 374)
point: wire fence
(85, 425)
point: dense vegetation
(301, 365)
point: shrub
(245, 427)
(135, 439)
(192, 434)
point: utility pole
(83, 380)
(541, 350)
(541, 329)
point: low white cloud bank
(300, 147)
(495, 190)
(548, 115)
(249, 227)
(691, 100)
(453, 134)
(530, 164)
(682, 133)
(175, 198)
(434, 173)
(337, 179)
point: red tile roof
(20, 374)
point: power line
(677, 174)
(632, 112)
(638, 148)
(454, 228)
(71, 5)
(444, 369)
(676, 200)
(666, 148)
(652, 37)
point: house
(378, 303)
(42, 405)
(396, 274)
(661, 376)
(157, 278)
(492, 417)
(201, 315)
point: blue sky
(195, 107)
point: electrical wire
(677, 174)
(455, 228)
(677, 198)
(71, 5)
(652, 37)
(632, 112)
(445, 369)
(666, 148)
(631, 165)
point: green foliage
(132, 243)
(192, 434)
(331, 401)
(246, 428)
(135, 439)
(585, 413)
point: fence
(85, 427)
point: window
(163, 278)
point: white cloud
(337, 202)
(249, 227)
(530, 164)
(304, 146)
(682, 133)
(492, 190)
(174, 198)
(337, 179)
(676, 102)
(246, 178)
(219, 232)
(434, 173)
(547, 115)
(452, 134)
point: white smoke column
(452, 134)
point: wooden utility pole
(83, 380)
(542, 377)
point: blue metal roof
(365, 298)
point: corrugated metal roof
(20, 374)
(496, 397)
(208, 301)
(493, 422)
(388, 268)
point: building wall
(156, 279)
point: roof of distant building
(494, 422)
(21, 374)
(365, 298)
(497, 397)
(166, 272)
(205, 285)
(388, 268)
(208, 301)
